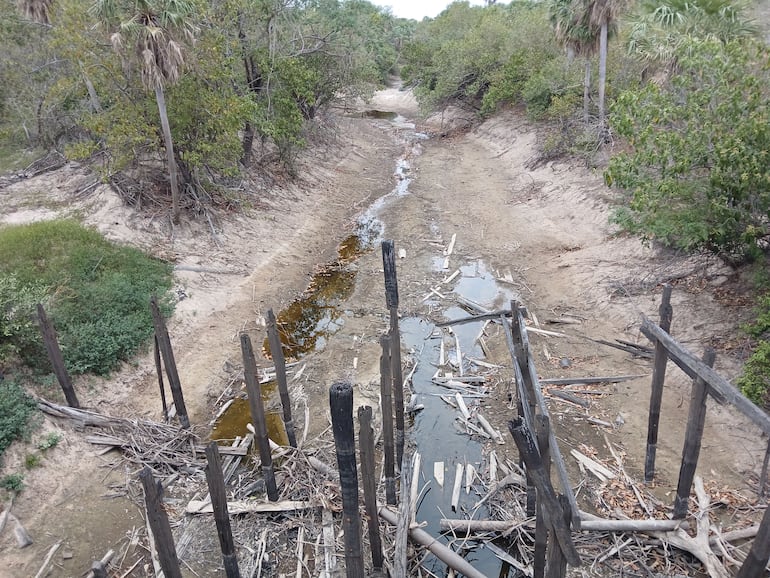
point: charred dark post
(55, 356)
(763, 475)
(552, 508)
(216, 482)
(543, 425)
(164, 343)
(369, 483)
(692, 439)
(276, 351)
(391, 300)
(258, 416)
(658, 377)
(158, 521)
(386, 389)
(341, 404)
(557, 563)
(98, 570)
(159, 371)
(756, 561)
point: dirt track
(546, 227)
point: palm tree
(151, 34)
(36, 10)
(603, 16)
(571, 26)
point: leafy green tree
(698, 175)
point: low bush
(16, 413)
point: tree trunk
(254, 84)
(160, 97)
(587, 89)
(602, 74)
(93, 97)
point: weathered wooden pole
(763, 474)
(98, 570)
(341, 404)
(692, 439)
(386, 389)
(369, 483)
(216, 483)
(658, 377)
(553, 510)
(55, 356)
(556, 566)
(542, 425)
(391, 300)
(276, 351)
(758, 556)
(159, 371)
(164, 343)
(257, 408)
(158, 521)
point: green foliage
(49, 441)
(755, 381)
(19, 330)
(16, 412)
(32, 461)
(12, 482)
(698, 175)
(98, 292)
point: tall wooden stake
(386, 388)
(369, 483)
(158, 520)
(341, 404)
(556, 566)
(692, 439)
(55, 356)
(164, 343)
(542, 424)
(258, 416)
(216, 482)
(276, 351)
(763, 474)
(159, 371)
(658, 377)
(758, 556)
(391, 300)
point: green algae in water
(233, 423)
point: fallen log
(250, 506)
(588, 380)
(447, 556)
(589, 523)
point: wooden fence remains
(55, 356)
(164, 344)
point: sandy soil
(547, 227)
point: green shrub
(32, 461)
(98, 292)
(16, 411)
(12, 482)
(755, 381)
(19, 330)
(51, 440)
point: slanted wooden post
(158, 521)
(164, 343)
(369, 483)
(386, 389)
(763, 475)
(756, 561)
(341, 404)
(557, 563)
(258, 416)
(159, 371)
(543, 426)
(658, 377)
(692, 439)
(55, 356)
(546, 495)
(276, 351)
(391, 300)
(216, 483)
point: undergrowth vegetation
(95, 292)
(16, 409)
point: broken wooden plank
(251, 506)
(588, 380)
(597, 469)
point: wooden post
(557, 563)
(258, 416)
(341, 404)
(164, 343)
(386, 389)
(276, 351)
(369, 483)
(55, 356)
(216, 483)
(763, 475)
(158, 520)
(658, 377)
(542, 424)
(553, 510)
(98, 570)
(758, 556)
(692, 439)
(159, 371)
(391, 300)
